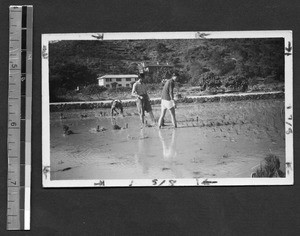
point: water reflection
(156, 152)
(169, 148)
(143, 151)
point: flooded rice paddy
(220, 140)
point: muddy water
(226, 140)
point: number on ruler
(17, 209)
(13, 124)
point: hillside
(206, 63)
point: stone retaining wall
(190, 99)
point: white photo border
(289, 151)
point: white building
(109, 81)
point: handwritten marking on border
(289, 131)
(46, 171)
(288, 49)
(100, 183)
(98, 36)
(208, 182)
(156, 182)
(288, 167)
(201, 35)
(44, 52)
(290, 117)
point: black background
(268, 210)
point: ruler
(19, 117)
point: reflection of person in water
(148, 157)
(169, 151)
(143, 150)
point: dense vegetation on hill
(207, 63)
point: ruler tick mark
(20, 40)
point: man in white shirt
(167, 100)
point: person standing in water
(139, 91)
(167, 100)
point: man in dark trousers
(167, 100)
(139, 90)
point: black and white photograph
(167, 109)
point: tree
(70, 75)
(94, 89)
(75, 63)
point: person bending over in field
(139, 91)
(167, 101)
(116, 105)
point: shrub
(57, 94)
(235, 82)
(60, 91)
(214, 83)
(123, 89)
(270, 168)
(93, 89)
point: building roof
(117, 76)
(158, 65)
